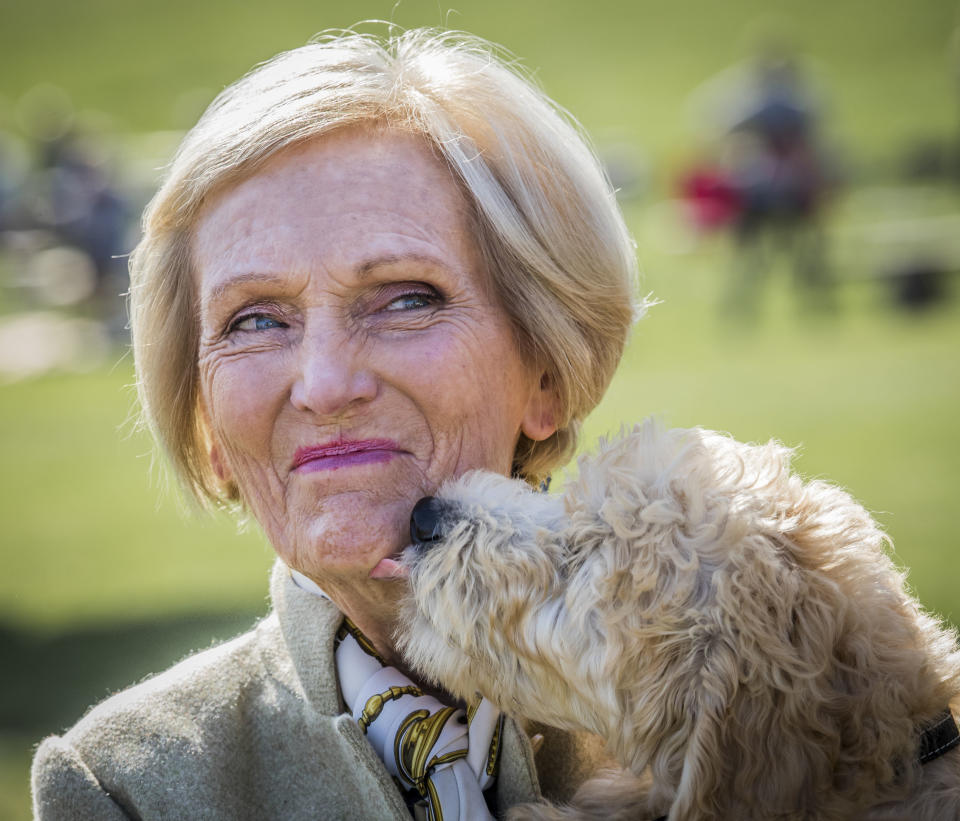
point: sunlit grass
(92, 529)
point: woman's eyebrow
(362, 271)
(237, 280)
(367, 267)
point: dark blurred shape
(928, 160)
(12, 173)
(919, 284)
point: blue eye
(257, 322)
(409, 302)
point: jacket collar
(308, 623)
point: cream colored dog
(734, 633)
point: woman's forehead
(325, 169)
(344, 198)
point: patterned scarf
(442, 756)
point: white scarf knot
(447, 754)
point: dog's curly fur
(735, 634)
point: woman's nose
(333, 375)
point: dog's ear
(703, 775)
(747, 748)
(763, 735)
(739, 756)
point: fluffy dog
(734, 633)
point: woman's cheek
(242, 401)
(440, 363)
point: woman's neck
(375, 615)
(372, 605)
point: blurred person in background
(780, 175)
(84, 208)
(373, 265)
(771, 177)
(65, 216)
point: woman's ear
(218, 463)
(540, 419)
(215, 451)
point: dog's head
(592, 610)
(487, 569)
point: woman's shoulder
(253, 728)
(209, 684)
(239, 729)
(198, 683)
(175, 719)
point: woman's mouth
(341, 454)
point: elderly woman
(373, 265)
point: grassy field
(625, 67)
(109, 576)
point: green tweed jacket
(255, 729)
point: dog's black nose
(425, 520)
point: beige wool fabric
(255, 729)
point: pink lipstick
(342, 454)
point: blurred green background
(108, 575)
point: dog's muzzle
(426, 521)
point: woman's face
(351, 355)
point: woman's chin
(349, 544)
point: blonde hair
(546, 220)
